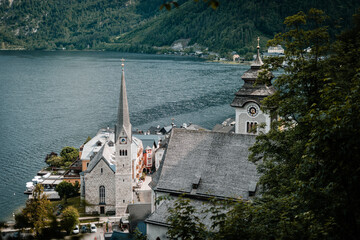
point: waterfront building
(248, 114)
(110, 163)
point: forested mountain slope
(139, 25)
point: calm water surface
(49, 100)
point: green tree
(69, 218)
(69, 154)
(309, 173)
(66, 190)
(309, 159)
(36, 210)
(185, 221)
(87, 139)
(55, 161)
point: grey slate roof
(149, 140)
(251, 93)
(160, 216)
(248, 92)
(98, 157)
(216, 163)
(224, 129)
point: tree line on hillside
(309, 160)
(139, 25)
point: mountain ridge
(139, 25)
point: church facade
(110, 159)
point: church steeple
(123, 125)
(123, 153)
(247, 101)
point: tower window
(102, 194)
(251, 127)
(123, 152)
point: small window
(87, 164)
(123, 152)
(102, 171)
(123, 201)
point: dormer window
(98, 143)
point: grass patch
(76, 202)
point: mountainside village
(123, 172)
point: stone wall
(93, 181)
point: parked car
(76, 230)
(93, 228)
(84, 229)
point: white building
(276, 49)
(109, 162)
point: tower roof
(249, 92)
(123, 118)
(258, 62)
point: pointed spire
(258, 62)
(123, 117)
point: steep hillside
(38, 24)
(234, 25)
(139, 25)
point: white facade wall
(242, 117)
(123, 176)
(155, 231)
(93, 181)
(158, 157)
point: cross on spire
(258, 46)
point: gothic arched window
(102, 194)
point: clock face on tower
(253, 110)
(123, 140)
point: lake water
(49, 100)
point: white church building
(110, 161)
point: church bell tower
(123, 140)
(248, 115)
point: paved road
(99, 235)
